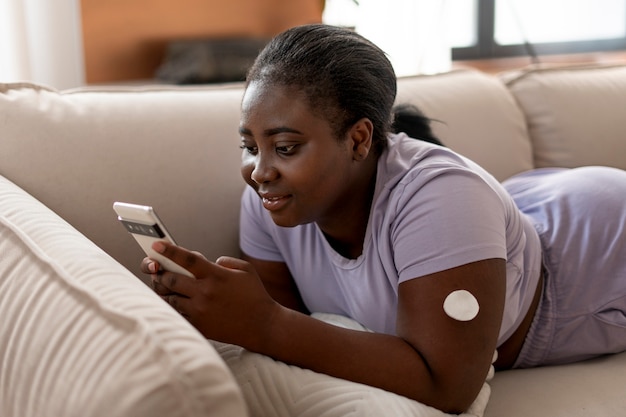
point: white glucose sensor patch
(461, 305)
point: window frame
(486, 46)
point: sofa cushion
(593, 388)
(475, 115)
(275, 389)
(175, 148)
(575, 114)
(82, 336)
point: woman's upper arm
(458, 353)
(278, 282)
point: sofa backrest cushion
(474, 114)
(82, 336)
(576, 114)
(175, 148)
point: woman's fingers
(167, 282)
(233, 263)
(170, 282)
(183, 257)
(149, 266)
(177, 302)
(158, 287)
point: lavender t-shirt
(432, 210)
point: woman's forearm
(379, 360)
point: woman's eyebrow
(270, 132)
(281, 129)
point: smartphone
(145, 226)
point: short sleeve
(255, 236)
(446, 219)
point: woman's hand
(226, 301)
(152, 267)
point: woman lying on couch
(408, 238)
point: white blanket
(274, 389)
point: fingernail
(158, 246)
(152, 268)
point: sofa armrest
(81, 336)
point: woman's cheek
(246, 169)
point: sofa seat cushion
(82, 336)
(576, 114)
(593, 388)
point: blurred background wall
(126, 39)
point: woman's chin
(283, 220)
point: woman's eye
(252, 150)
(286, 149)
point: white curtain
(413, 33)
(41, 41)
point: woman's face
(291, 158)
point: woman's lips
(273, 203)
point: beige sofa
(80, 335)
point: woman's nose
(263, 171)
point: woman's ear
(361, 136)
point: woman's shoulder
(411, 169)
(406, 158)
